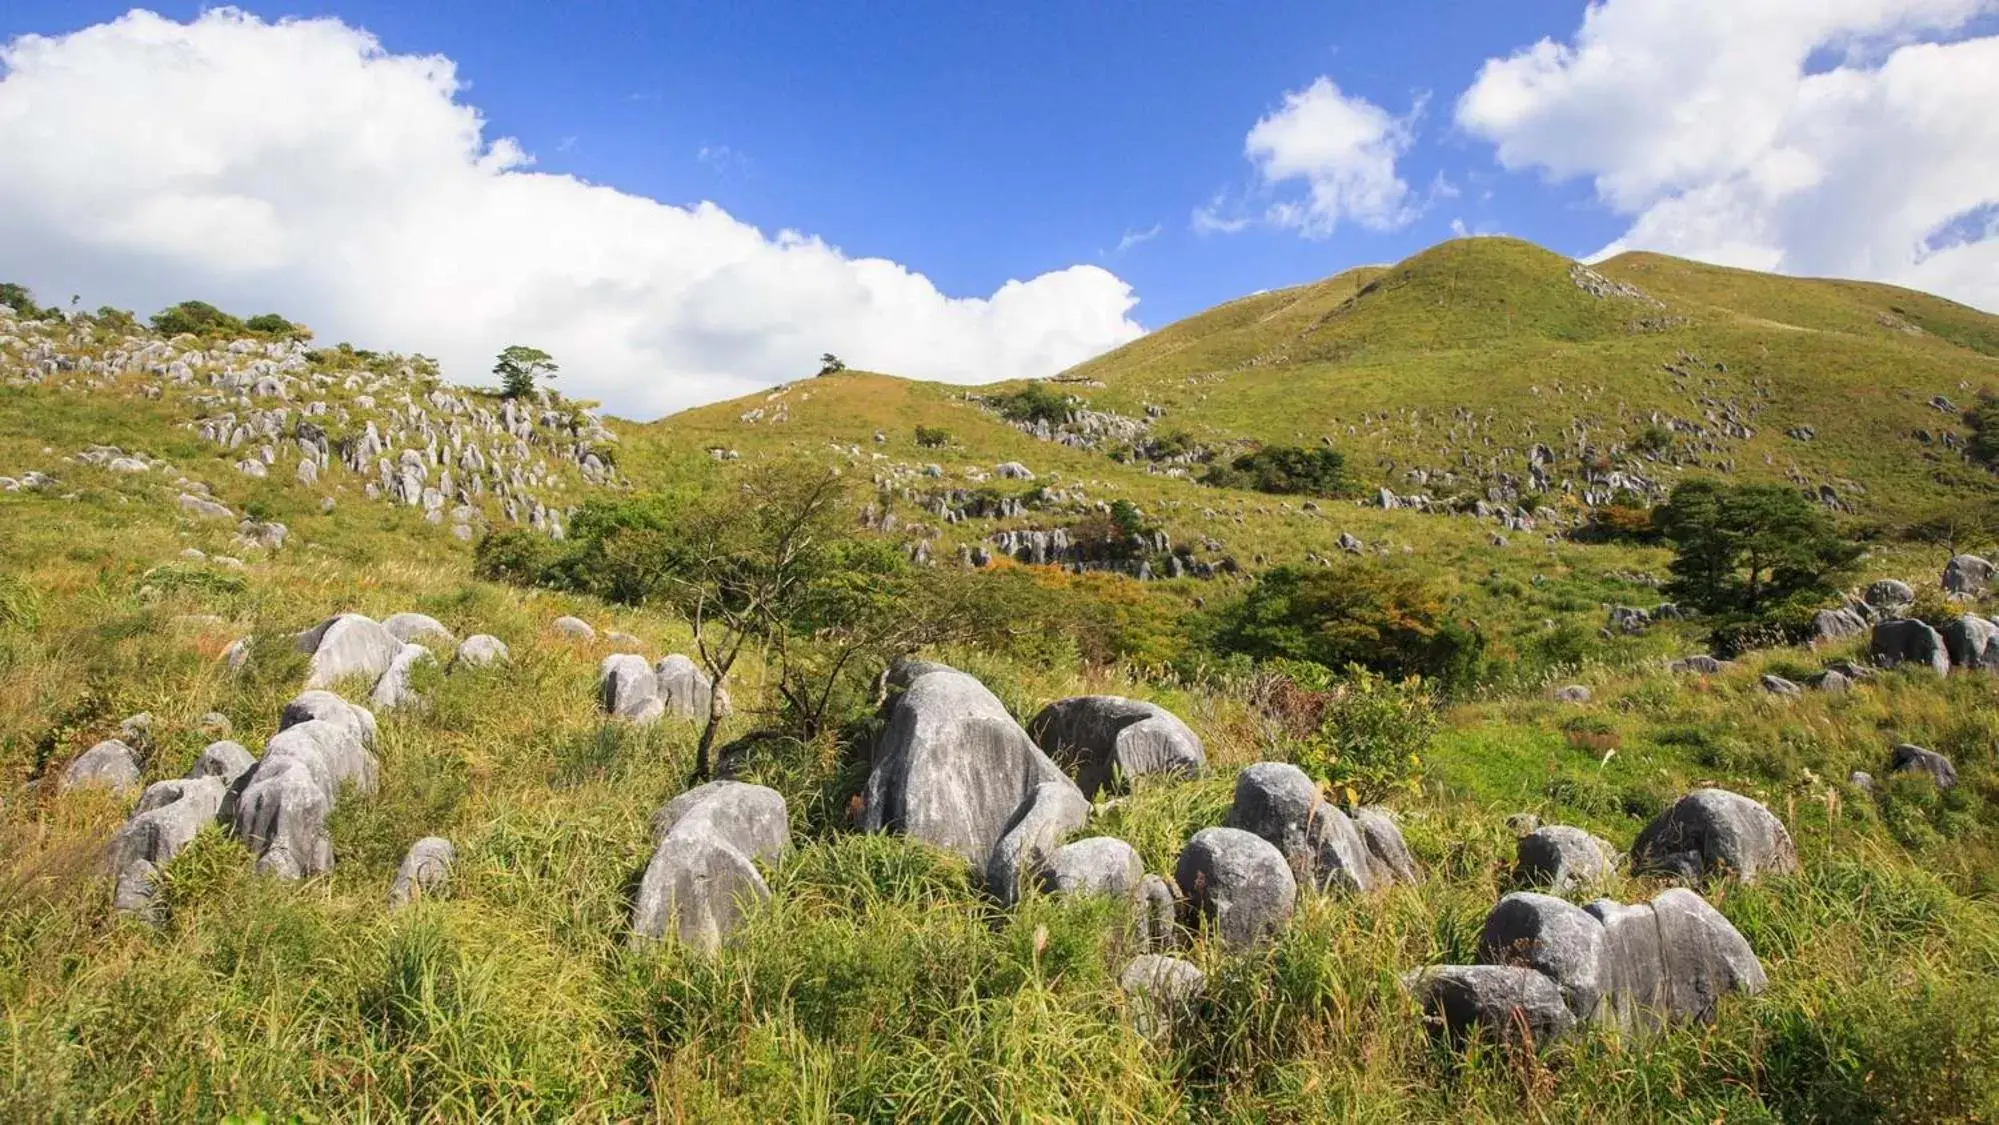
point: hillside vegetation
(145, 570)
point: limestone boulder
(1972, 643)
(1099, 865)
(1670, 961)
(1163, 991)
(1714, 832)
(684, 688)
(349, 645)
(108, 765)
(1967, 576)
(1103, 739)
(414, 628)
(425, 871)
(170, 814)
(1562, 858)
(1508, 1002)
(1238, 883)
(703, 879)
(627, 688)
(1551, 936)
(393, 690)
(1910, 758)
(481, 650)
(1907, 641)
(953, 769)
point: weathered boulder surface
(1778, 685)
(1966, 576)
(280, 807)
(703, 877)
(1324, 847)
(169, 815)
(1700, 664)
(108, 765)
(1554, 938)
(347, 645)
(425, 871)
(952, 768)
(1670, 961)
(226, 760)
(1972, 643)
(1889, 594)
(1563, 858)
(1163, 990)
(574, 628)
(1103, 738)
(627, 688)
(1910, 758)
(481, 650)
(1100, 865)
(413, 628)
(1238, 882)
(684, 688)
(393, 690)
(1157, 923)
(1908, 641)
(1023, 854)
(1837, 624)
(1572, 693)
(1711, 832)
(1510, 1002)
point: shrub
(196, 318)
(1372, 735)
(517, 555)
(1283, 469)
(1032, 403)
(1355, 612)
(932, 437)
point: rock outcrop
(952, 768)
(280, 807)
(1562, 858)
(349, 645)
(627, 688)
(1323, 846)
(1910, 758)
(1239, 883)
(1106, 739)
(108, 765)
(1714, 832)
(1907, 641)
(425, 871)
(703, 878)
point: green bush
(197, 318)
(1373, 733)
(1357, 612)
(519, 556)
(1032, 403)
(932, 437)
(1283, 469)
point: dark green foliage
(1745, 549)
(516, 555)
(932, 437)
(197, 318)
(271, 324)
(521, 367)
(1982, 418)
(1354, 613)
(1283, 469)
(1373, 733)
(830, 364)
(20, 300)
(1032, 403)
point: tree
(1283, 469)
(1355, 612)
(196, 318)
(830, 364)
(1745, 548)
(519, 367)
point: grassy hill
(878, 983)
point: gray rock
(226, 760)
(1837, 624)
(1908, 641)
(1629, 619)
(481, 651)
(169, 816)
(1239, 883)
(703, 875)
(348, 645)
(393, 690)
(1103, 738)
(624, 642)
(627, 688)
(1778, 685)
(1714, 832)
(1100, 865)
(1163, 991)
(1966, 576)
(1910, 758)
(215, 724)
(1670, 961)
(425, 872)
(684, 688)
(1321, 846)
(574, 628)
(1392, 861)
(1511, 1003)
(237, 655)
(280, 807)
(1698, 665)
(204, 507)
(1572, 693)
(952, 768)
(1157, 923)
(1861, 780)
(1024, 854)
(1552, 937)
(1972, 644)
(1889, 594)
(412, 628)
(1563, 858)
(1830, 681)
(108, 765)
(328, 707)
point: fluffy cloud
(300, 167)
(1842, 137)
(1344, 148)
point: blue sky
(977, 144)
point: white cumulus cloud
(1838, 137)
(1344, 148)
(299, 167)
